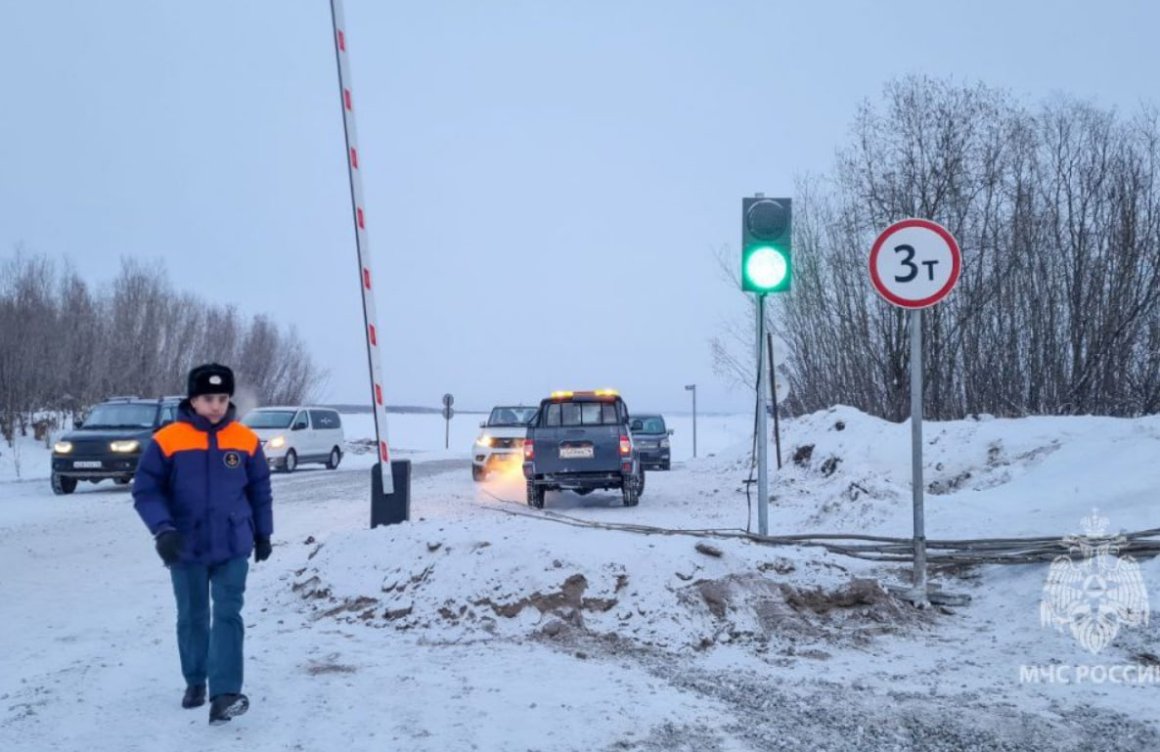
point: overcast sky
(546, 181)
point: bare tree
(1058, 215)
(63, 346)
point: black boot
(194, 696)
(224, 707)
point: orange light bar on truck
(561, 395)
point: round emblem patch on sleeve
(232, 459)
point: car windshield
(510, 416)
(269, 418)
(126, 415)
(648, 424)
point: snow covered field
(482, 625)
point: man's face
(212, 407)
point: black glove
(262, 548)
(168, 546)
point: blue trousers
(211, 648)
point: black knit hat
(211, 378)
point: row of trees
(1057, 210)
(65, 344)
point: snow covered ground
(482, 625)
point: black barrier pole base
(392, 508)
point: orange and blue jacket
(208, 482)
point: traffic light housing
(766, 244)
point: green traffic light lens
(766, 268)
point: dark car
(651, 438)
(579, 441)
(108, 444)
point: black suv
(579, 441)
(108, 444)
(652, 441)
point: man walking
(203, 490)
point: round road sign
(915, 263)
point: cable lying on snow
(1141, 544)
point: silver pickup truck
(580, 442)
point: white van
(293, 435)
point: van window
(325, 420)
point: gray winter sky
(546, 182)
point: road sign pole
(915, 263)
(448, 413)
(916, 452)
(762, 431)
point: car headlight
(277, 442)
(664, 443)
(124, 447)
(484, 441)
(62, 447)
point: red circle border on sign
(956, 266)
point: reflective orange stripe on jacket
(182, 437)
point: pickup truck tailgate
(577, 449)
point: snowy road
(453, 632)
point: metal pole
(916, 459)
(762, 429)
(773, 398)
(447, 433)
(693, 388)
(370, 315)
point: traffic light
(766, 234)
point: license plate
(576, 453)
(82, 464)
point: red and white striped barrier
(366, 281)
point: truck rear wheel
(535, 495)
(631, 490)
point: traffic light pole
(766, 267)
(762, 431)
